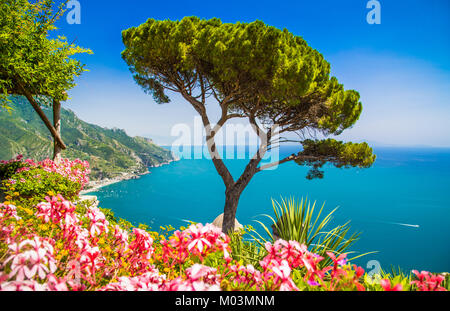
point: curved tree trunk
(234, 189)
(233, 193)
(57, 125)
(41, 114)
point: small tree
(32, 64)
(253, 71)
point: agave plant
(299, 221)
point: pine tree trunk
(57, 125)
(229, 212)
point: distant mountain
(111, 152)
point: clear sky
(401, 67)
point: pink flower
(55, 284)
(55, 209)
(28, 285)
(142, 244)
(386, 284)
(339, 261)
(149, 281)
(91, 260)
(282, 274)
(428, 282)
(273, 249)
(358, 271)
(7, 211)
(198, 271)
(282, 271)
(313, 283)
(121, 235)
(26, 262)
(22, 169)
(198, 239)
(19, 266)
(99, 224)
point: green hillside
(110, 152)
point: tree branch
(215, 156)
(287, 159)
(252, 167)
(41, 114)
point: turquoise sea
(401, 204)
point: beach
(95, 185)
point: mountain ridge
(111, 152)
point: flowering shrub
(76, 171)
(9, 168)
(57, 245)
(26, 180)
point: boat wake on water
(402, 224)
(394, 223)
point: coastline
(96, 185)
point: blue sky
(401, 67)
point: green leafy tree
(31, 63)
(253, 71)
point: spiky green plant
(298, 221)
(395, 272)
(244, 250)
